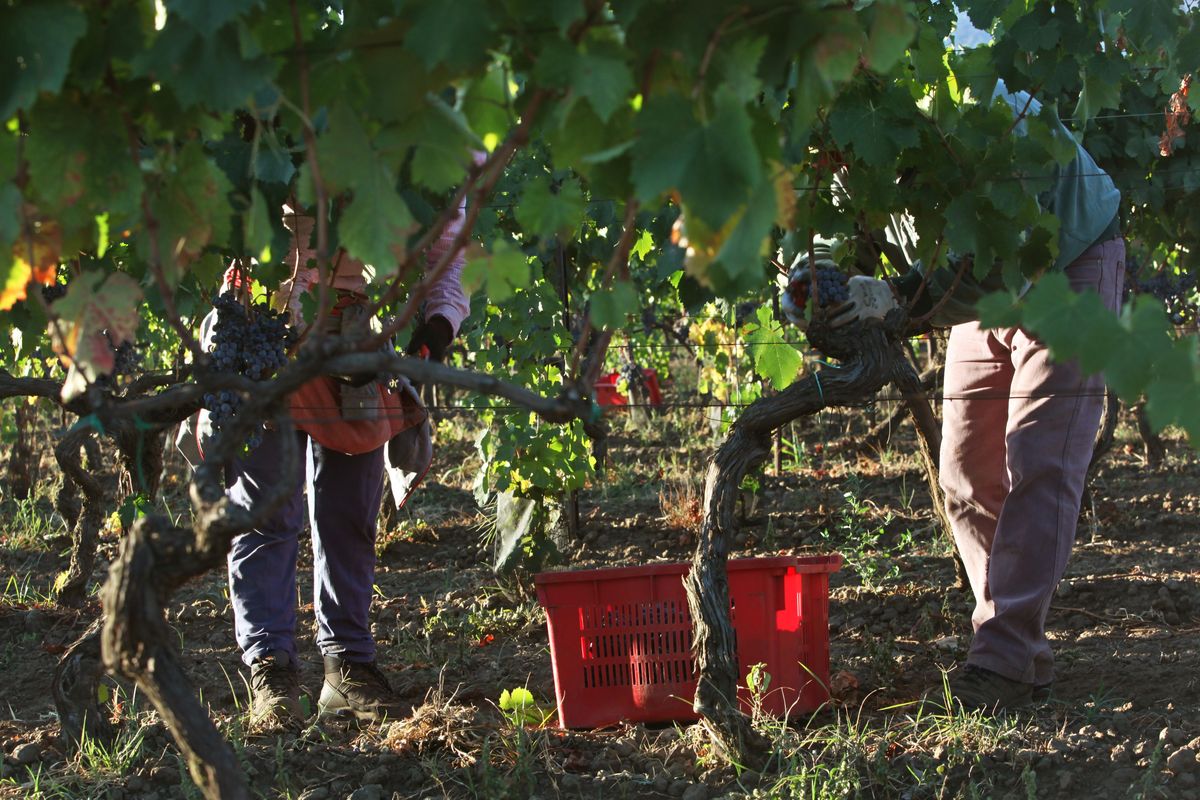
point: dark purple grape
(247, 341)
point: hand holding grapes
(841, 301)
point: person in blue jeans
(344, 483)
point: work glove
(869, 298)
(431, 339)
(842, 303)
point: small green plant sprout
(521, 709)
(758, 680)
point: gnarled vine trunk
(85, 533)
(869, 354)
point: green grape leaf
(891, 31)
(499, 273)
(999, 310)
(1100, 90)
(486, 104)
(375, 226)
(548, 210)
(273, 164)
(10, 221)
(738, 66)
(598, 73)
(345, 151)
(80, 163)
(713, 166)
(212, 70)
(644, 245)
(873, 126)
(256, 228)
(775, 359)
(739, 262)
(1130, 365)
(442, 144)
(192, 210)
(455, 34)
(209, 16)
(609, 307)
(1171, 395)
(36, 40)
(836, 53)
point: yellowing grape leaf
(96, 315)
(35, 256)
(15, 277)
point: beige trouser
(1017, 437)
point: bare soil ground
(1124, 721)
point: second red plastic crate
(621, 638)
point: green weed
(861, 543)
(20, 591)
(29, 526)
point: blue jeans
(344, 493)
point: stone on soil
(27, 753)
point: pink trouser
(1017, 437)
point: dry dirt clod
(1183, 760)
(697, 791)
(372, 791)
(27, 753)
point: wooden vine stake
(871, 355)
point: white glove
(869, 298)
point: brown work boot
(972, 688)
(275, 693)
(359, 690)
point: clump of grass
(680, 505)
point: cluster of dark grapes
(53, 292)
(127, 360)
(1176, 293)
(832, 289)
(251, 342)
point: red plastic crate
(621, 638)
(607, 394)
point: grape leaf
(597, 73)
(442, 143)
(256, 227)
(1130, 365)
(209, 16)
(872, 124)
(15, 275)
(499, 273)
(609, 307)
(97, 313)
(455, 34)
(891, 31)
(713, 166)
(209, 70)
(486, 105)
(374, 227)
(547, 210)
(1171, 395)
(345, 151)
(836, 53)
(80, 163)
(738, 66)
(774, 357)
(192, 210)
(36, 40)
(10, 221)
